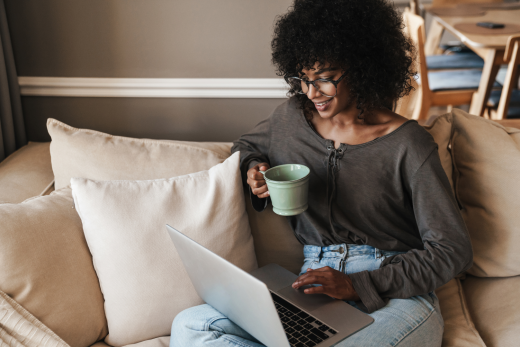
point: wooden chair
(508, 96)
(414, 7)
(443, 88)
(435, 60)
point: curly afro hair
(364, 37)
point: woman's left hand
(333, 283)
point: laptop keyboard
(302, 330)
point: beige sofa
(50, 295)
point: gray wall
(161, 118)
(143, 38)
(148, 39)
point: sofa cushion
(95, 155)
(143, 280)
(495, 308)
(486, 167)
(459, 329)
(46, 266)
(26, 173)
(274, 239)
(163, 341)
(157, 342)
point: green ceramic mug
(288, 187)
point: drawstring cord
(332, 165)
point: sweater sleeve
(254, 149)
(446, 244)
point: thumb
(263, 168)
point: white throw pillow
(142, 278)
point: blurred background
(68, 39)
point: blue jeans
(415, 321)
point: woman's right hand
(256, 181)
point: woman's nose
(312, 92)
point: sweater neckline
(343, 146)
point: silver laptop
(264, 304)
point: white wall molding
(154, 87)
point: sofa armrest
(19, 327)
(26, 173)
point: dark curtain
(12, 129)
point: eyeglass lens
(324, 87)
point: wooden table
(489, 47)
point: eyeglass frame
(334, 82)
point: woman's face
(328, 107)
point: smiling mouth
(322, 103)
(322, 106)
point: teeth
(322, 103)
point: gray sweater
(390, 193)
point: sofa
(65, 281)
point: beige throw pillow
(440, 129)
(95, 155)
(486, 171)
(46, 266)
(143, 280)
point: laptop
(264, 303)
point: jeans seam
(411, 331)
(433, 299)
(234, 341)
(216, 330)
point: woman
(383, 229)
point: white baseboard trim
(154, 87)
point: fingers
(332, 282)
(255, 175)
(264, 195)
(314, 278)
(260, 191)
(256, 180)
(315, 290)
(322, 290)
(256, 183)
(309, 270)
(263, 166)
(324, 269)
(254, 172)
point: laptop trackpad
(309, 302)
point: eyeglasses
(326, 87)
